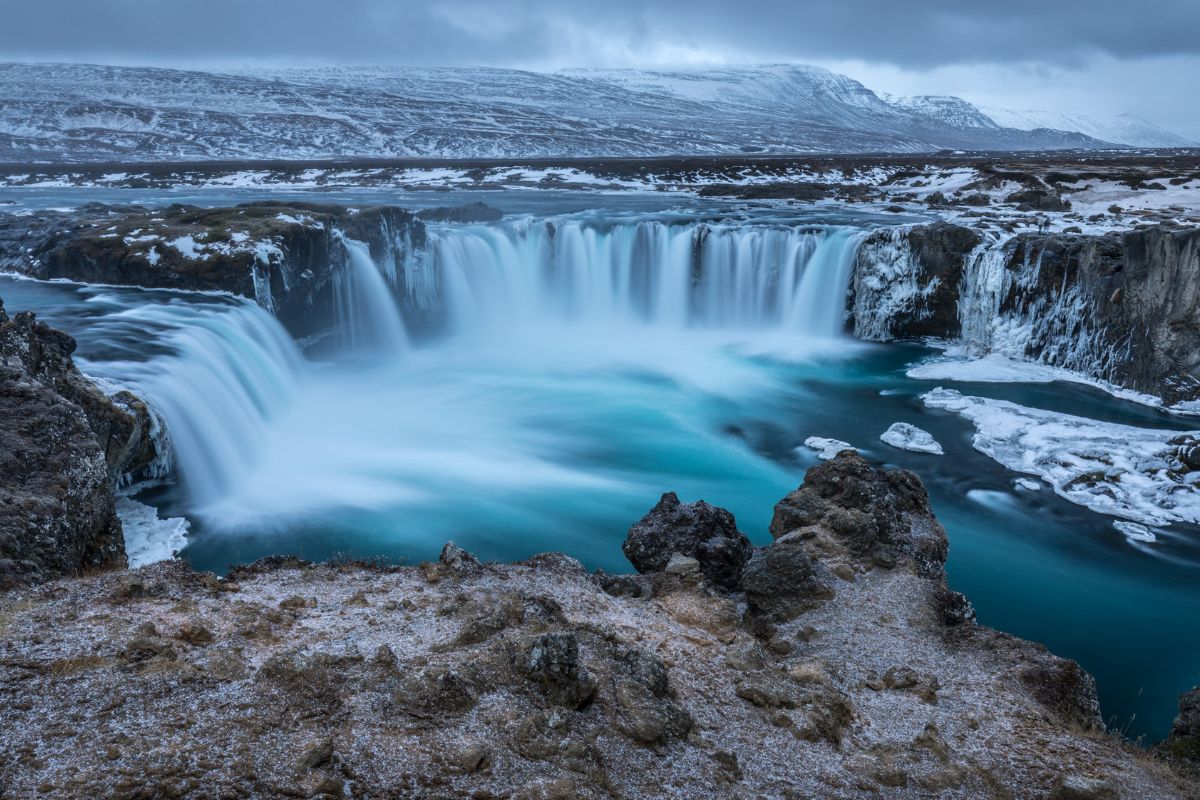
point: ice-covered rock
(904, 436)
(1129, 472)
(827, 448)
(1135, 530)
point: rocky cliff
(286, 256)
(834, 662)
(63, 445)
(1122, 307)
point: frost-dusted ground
(538, 680)
(1106, 192)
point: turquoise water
(518, 440)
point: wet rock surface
(537, 679)
(1122, 307)
(63, 445)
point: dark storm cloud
(916, 34)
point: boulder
(57, 515)
(698, 530)
(877, 517)
(1039, 200)
(782, 581)
(472, 212)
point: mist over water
(536, 385)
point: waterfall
(985, 282)
(219, 373)
(225, 376)
(528, 273)
(368, 318)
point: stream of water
(571, 367)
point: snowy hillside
(1121, 128)
(947, 110)
(81, 113)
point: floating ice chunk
(1135, 531)
(148, 538)
(909, 437)
(1114, 469)
(827, 448)
(1027, 484)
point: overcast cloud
(1099, 55)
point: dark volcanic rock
(1038, 200)
(877, 517)
(704, 532)
(56, 506)
(1183, 744)
(892, 264)
(284, 255)
(783, 581)
(1123, 308)
(1127, 305)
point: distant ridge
(74, 113)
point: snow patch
(827, 448)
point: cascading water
(224, 372)
(685, 275)
(259, 434)
(368, 318)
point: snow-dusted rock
(827, 448)
(904, 436)
(1134, 473)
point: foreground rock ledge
(838, 664)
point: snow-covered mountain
(86, 113)
(947, 110)
(1126, 129)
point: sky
(1100, 56)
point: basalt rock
(906, 282)
(783, 581)
(62, 445)
(704, 532)
(1120, 307)
(1182, 746)
(866, 516)
(286, 256)
(472, 212)
(1038, 200)
(558, 688)
(1129, 304)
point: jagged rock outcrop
(699, 530)
(1182, 746)
(907, 281)
(537, 679)
(284, 255)
(471, 212)
(63, 444)
(1121, 307)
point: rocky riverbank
(285, 256)
(1119, 307)
(64, 445)
(834, 662)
